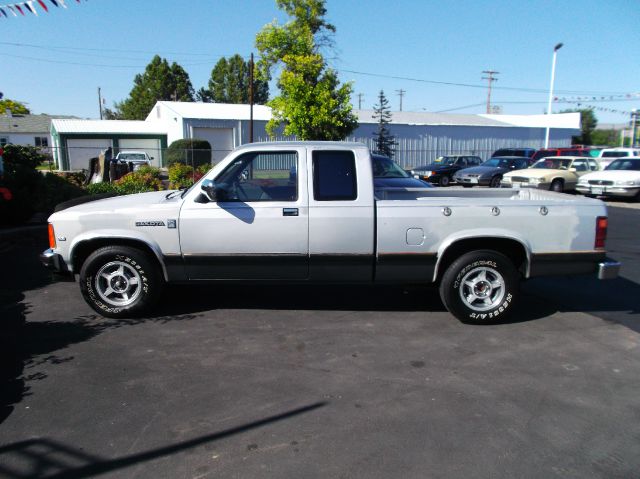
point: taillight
(52, 237)
(601, 231)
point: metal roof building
(421, 137)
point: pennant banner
(29, 6)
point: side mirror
(209, 189)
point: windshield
(131, 156)
(614, 154)
(553, 164)
(446, 160)
(498, 163)
(633, 165)
(384, 167)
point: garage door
(152, 147)
(220, 139)
(81, 151)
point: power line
(470, 85)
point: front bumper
(628, 192)
(54, 262)
(608, 269)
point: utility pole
(634, 120)
(360, 95)
(251, 99)
(490, 79)
(100, 102)
(400, 93)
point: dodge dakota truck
(308, 212)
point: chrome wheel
(482, 289)
(118, 283)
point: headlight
(627, 182)
(536, 180)
(506, 179)
(583, 182)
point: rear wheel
(480, 287)
(557, 186)
(444, 180)
(120, 281)
(495, 182)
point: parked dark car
(491, 171)
(441, 172)
(387, 174)
(526, 152)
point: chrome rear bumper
(608, 269)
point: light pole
(553, 77)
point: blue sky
(55, 62)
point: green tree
(589, 122)
(229, 83)
(385, 141)
(160, 81)
(605, 137)
(312, 104)
(15, 107)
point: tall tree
(229, 83)
(589, 122)
(160, 81)
(312, 104)
(15, 107)
(385, 141)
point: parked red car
(571, 151)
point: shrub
(146, 178)
(183, 176)
(100, 188)
(192, 152)
(28, 156)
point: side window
(3, 141)
(580, 165)
(41, 141)
(475, 161)
(462, 161)
(261, 176)
(593, 165)
(334, 176)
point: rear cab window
(334, 175)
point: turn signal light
(601, 231)
(52, 237)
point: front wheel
(444, 180)
(557, 186)
(495, 182)
(480, 287)
(120, 281)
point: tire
(495, 182)
(557, 186)
(120, 281)
(444, 180)
(480, 287)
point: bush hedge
(192, 152)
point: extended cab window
(261, 176)
(334, 176)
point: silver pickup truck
(308, 212)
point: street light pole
(553, 77)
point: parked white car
(609, 155)
(134, 158)
(621, 178)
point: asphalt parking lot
(321, 382)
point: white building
(421, 137)
(27, 130)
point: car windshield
(446, 160)
(553, 164)
(498, 162)
(384, 167)
(131, 156)
(629, 164)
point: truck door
(258, 228)
(341, 220)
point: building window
(42, 141)
(3, 141)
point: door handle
(289, 211)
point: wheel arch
(82, 249)
(512, 248)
